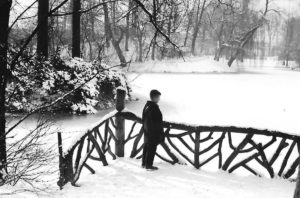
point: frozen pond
(261, 99)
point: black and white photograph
(149, 98)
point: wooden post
(197, 150)
(60, 183)
(297, 190)
(120, 123)
(65, 164)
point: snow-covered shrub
(36, 82)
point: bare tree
(139, 26)
(5, 6)
(29, 157)
(128, 25)
(247, 36)
(288, 40)
(199, 16)
(111, 37)
(76, 28)
(42, 34)
(190, 14)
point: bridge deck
(124, 178)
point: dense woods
(133, 30)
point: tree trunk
(287, 59)
(76, 29)
(127, 26)
(113, 16)
(190, 17)
(92, 39)
(153, 51)
(187, 29)
(106, 27)
(110, 36)
(263, 44)
(169, 25)
(197, 24)
(219, 49)
(42, 34)
(269, 40)
(140, 42)
(203, 38)
(4, 16)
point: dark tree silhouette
(4, 16)
(76, 28)
(42, 34)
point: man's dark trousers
(149, 154)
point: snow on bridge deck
(125, 178)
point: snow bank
(125, 178)
(205, 64)
(189, 65)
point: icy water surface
(259, 99)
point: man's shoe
(152, 168)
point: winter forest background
(121, 32)
(61, 62)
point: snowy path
(124, 178)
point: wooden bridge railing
(259, 152)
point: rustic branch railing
(259, 152)
(252, 143)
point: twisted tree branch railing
(258, 152)
(216, 135)
(186, 142)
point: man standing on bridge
(153, 130)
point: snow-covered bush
(34, 82)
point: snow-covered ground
(125, 178)
(199, 92)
